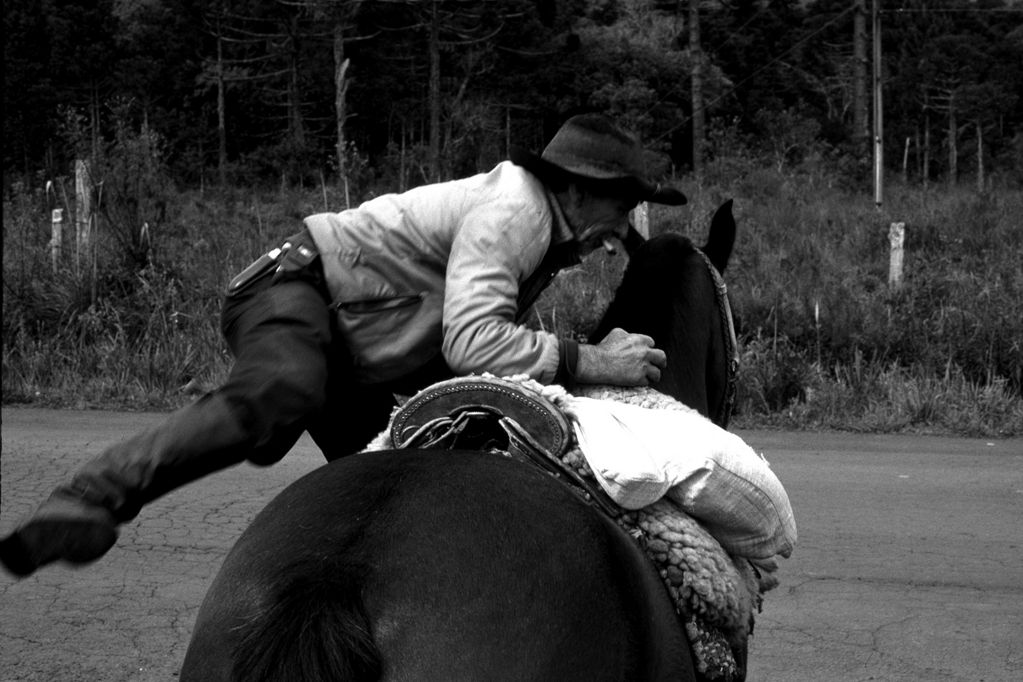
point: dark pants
(292, 372)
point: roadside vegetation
(826, 343)
(177, 140)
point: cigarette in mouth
(609, 247)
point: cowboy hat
(593, 147)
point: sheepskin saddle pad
(715, 594)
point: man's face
(594, 218)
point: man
(388, 297)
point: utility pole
(896, 230)
(878, 110)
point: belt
(296, 258)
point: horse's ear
(721, 237)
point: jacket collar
(562, 253)
(561, 231)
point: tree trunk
(95, 121)
(980, 157)
(403, 167)
(905, 162)
(697, 86)
(221, 115)
(340, 104)
(434, 93)
(927, 152)
(919, 153)
(953, 151)
(296, 124)
(861, 122)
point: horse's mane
(651, 281)
(668, 294)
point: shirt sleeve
(496, 247)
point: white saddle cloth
(640, 455)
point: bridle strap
(731, 343)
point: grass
(826, 342)
(796, 392)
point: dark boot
(65, 527)
(78, 523)
(281, 336)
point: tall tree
(58, 55)
(341, 16)
(861, 122)
(755, 43)
(936, 60)
(274, 54)
(453, 44)
(634, 63)
(29, 96)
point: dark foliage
(508, 70)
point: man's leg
(352, 417)
(281, 337)
(354, 413)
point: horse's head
(673, 292)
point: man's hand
(621, 359)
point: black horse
(453, 565)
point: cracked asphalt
(909, 564)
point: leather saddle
(491, 414)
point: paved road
(909, 566)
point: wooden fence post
(641, 219)
(56, 237)
(896, 238)
(83, 214)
